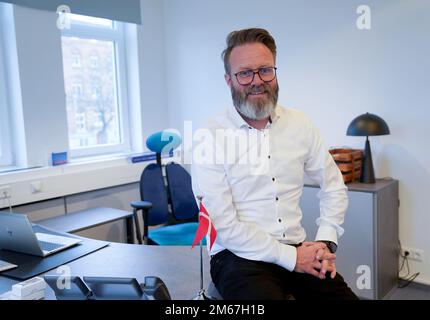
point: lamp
(367, 125)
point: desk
(89, 218)
(177, 266)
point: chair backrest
(184, 206)
(152, 189)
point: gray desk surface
(177, 266)
(81, 220)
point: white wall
(330, 70)
(152, 68)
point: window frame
(116, 34)
(6, 155)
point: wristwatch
(330, 245)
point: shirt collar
(239, 122)
(236, 118)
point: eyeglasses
(246, 77)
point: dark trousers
(238, 278)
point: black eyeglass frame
(254, 73)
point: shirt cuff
(287, 257)
(326, 233)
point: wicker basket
(349, 162)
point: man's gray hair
(240, 37)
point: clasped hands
(316, 259)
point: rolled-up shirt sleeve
(321, 168)
(245, 239)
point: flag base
(202, 296)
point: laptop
(17, 234)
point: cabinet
(368, 252)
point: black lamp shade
(367, 125)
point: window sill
(37, 184)
(10, 169)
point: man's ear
(227, 79)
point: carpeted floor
(414, 291)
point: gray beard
(257, 110)
(250, 112)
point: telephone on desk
(107, 288)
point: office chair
(171, 204)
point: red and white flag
(205, 227)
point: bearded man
(261, 250)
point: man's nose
(257, 80)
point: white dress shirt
(252, 190)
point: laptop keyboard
(49, 246)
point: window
(95, 85)
(96, 92)
(76, 91)
(80, 121)
(94, 61)
(76, 60)
(5, 142)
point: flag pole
(201, 265)
(201, 295)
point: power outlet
(5, 192)
(414, 254)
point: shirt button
(269, 157)
(277, 198)
(283, 235)
(280, 220)
(273, 179)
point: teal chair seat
(175, 235)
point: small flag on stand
(205, 227)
